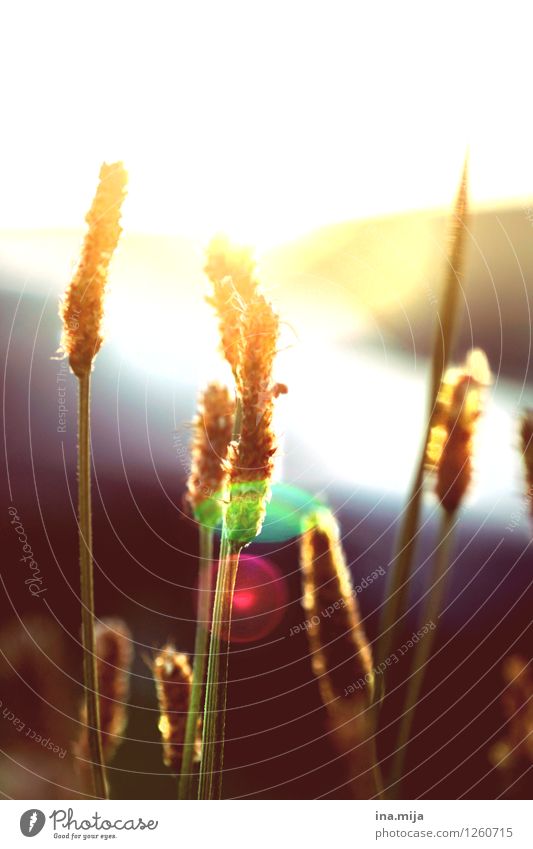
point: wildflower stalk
(424, 647)
(201, 644)
(90, 670)
(398, 584)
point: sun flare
(238, 135)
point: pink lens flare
(259, 601)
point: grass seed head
(114, 655)
(450, 446)
(340, 652)
(251, 458)
(83, 306)
(213, 427)
(173, 678)
(514, 751)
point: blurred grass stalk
(398, 585)
(201, 644)
(341, 657)
(449, 458)
(424, 648)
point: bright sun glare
(262, 121)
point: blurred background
(332, 140)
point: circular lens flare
(259, 600)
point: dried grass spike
(450, 446)
(341, 654)
(83, 307)
(114, 653)
(212, 434)
(251, 458)
(514, 752)
(173, 678)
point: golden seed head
(114, 653)
(340, 652)
(213, 427)
(231, 270)
(173, 679)
(251, 459)
(83, 306)
(459, 406)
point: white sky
(264, 119)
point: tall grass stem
(398, 584)
(423, 650)
(211, 765)
(90, 671)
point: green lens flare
(287, 509)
